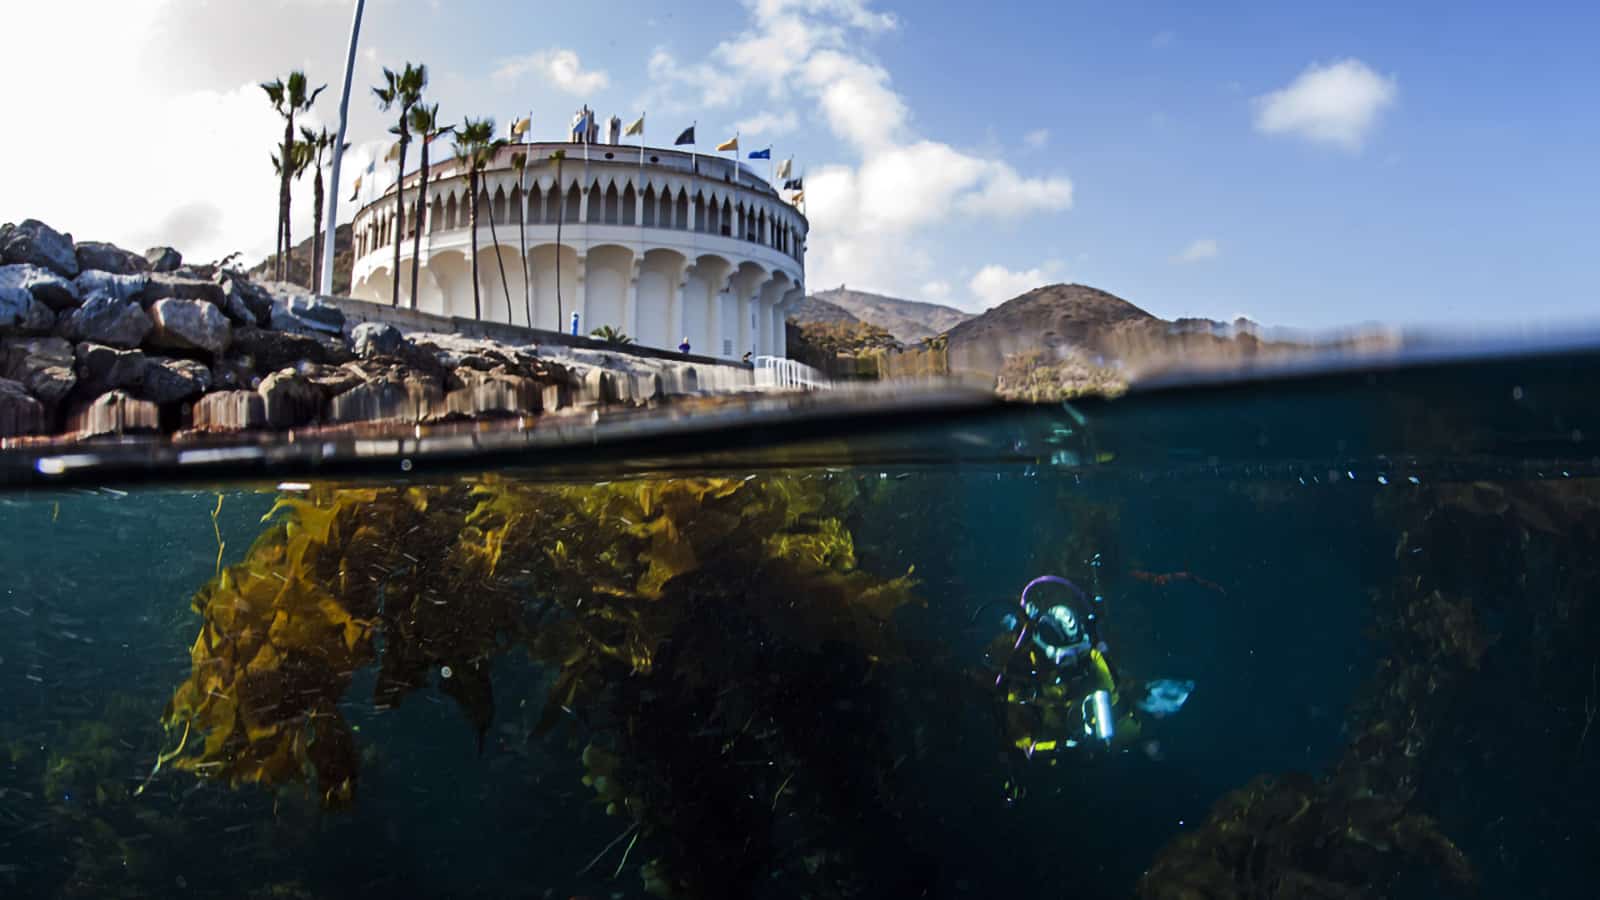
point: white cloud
(935, 292)
(769, 123)
(1037, 139)
(1335, 104)
(1200, 250)
(869, 217)
(995, 284)
(561, 68)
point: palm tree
(611, 335)
(475, 146)
(425, 123)
(289, 98)
(317, 143)
(299, 159)
(561, 214)
(490, 151)
(402, 89)
(519, 161)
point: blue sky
(1306, 165)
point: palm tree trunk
(561, 215)
(400, 209)
(522, 242)
(283, 191)
(316, 227)
(422, 206)
(500, 261)
(472, 185)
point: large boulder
(177, 286)
(101, 368)
(163, 259)
(99, 256)
(20, 311)
(274, 350)
(172, 380)
(114, 413)
(490, 394)
(20, 413)
(301, 314)
(244, 302)
(190, 325)
(105, 320)
(38, 244)
(290, 399)
(230, 411)
(46, 286)
(44, 365)
(234, 372)
(376, 339)
(118, 287)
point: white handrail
(779, 373)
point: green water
(785, 670)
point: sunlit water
(1384, 582)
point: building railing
(778, 373)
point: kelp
(1356, 830)
(709, 636)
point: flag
(798, 198)
(729, 144)
(580, 129)
(784, 167)
(686, 138)
(761, 154)
(795, 184)
(394, 152)
(357, 192)
(636, 128)
(521, 126)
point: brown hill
(1052, 320)
(908, 320)
(815, 311)
(300, 263)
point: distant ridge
(1048, 319)
(908, 320)
(815, 311)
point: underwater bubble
(446, 672)
(1516, 392)
(405, 465)
(1383, 479)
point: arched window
(574, 203)
(518, 211)
(435, 213)
(725, 225)
(630, 207)
(535, 204)
(613, 209)
(500, 217)
(450, 213)
(700, 222)
(650, 211)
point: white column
(676, 298)
(630, 306)
(578, 304)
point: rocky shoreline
(97, 341)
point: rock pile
(98, 340)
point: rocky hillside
(300, 263)
(1053, 318)
(908, 320)
(815, 311)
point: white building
(660, 246)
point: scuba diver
(1060, 691)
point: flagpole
(330, 241)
